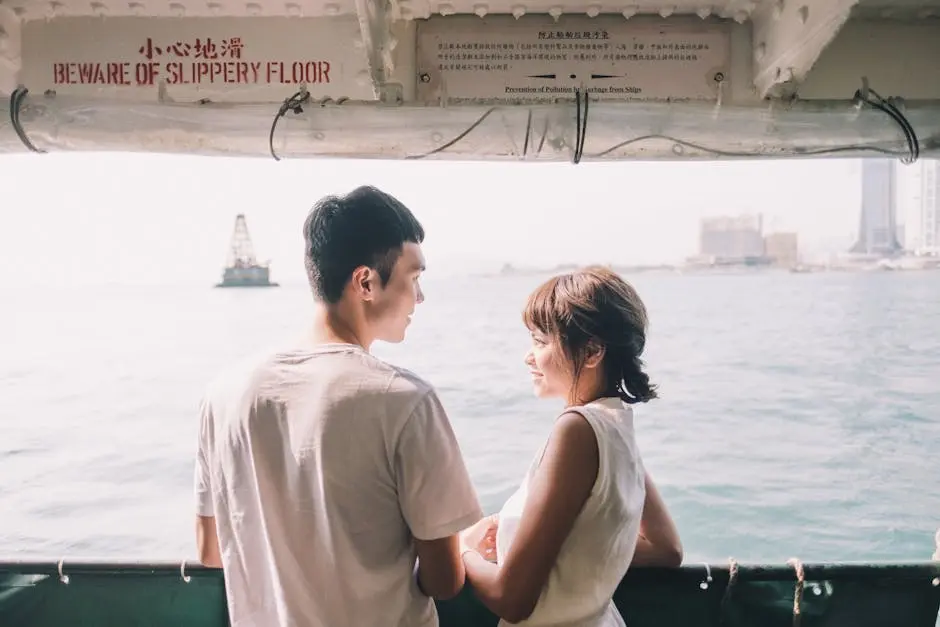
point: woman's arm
(659, 543)
(557, 493)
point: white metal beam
(9, 50)
(374, 29)
(788, 37)
(642, 131)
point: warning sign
(194, 58)
(536, 59)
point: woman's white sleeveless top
(600, 547)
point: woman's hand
(481, 537)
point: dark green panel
(155, 595)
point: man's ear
(363, 282)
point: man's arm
(440, 570)
(436, 496)
(207, 539)
(207, 542)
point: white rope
(798, 591)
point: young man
(322, 472)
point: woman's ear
(595, 355)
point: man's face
(390, 310)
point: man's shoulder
(375, 375)
(240, 375)
(339, 365)
(404, 381)
(402, 392)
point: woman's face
(551, 373)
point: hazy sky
(80, 218)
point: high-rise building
(782, 248)
(930, 207)
(919, 202)
(877, 229)
(928, 225)
(732, 237)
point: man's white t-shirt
(320, 465)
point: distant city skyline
(80, 218)
(900, 205)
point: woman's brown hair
(594, 306)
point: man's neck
(332, 326)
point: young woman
(586, 509)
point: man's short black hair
(366, 227)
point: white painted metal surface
(673, 79)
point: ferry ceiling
(524, 80)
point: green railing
(160, 594)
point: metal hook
(580, 122)
(62, 576)
(863, 92)
(294, 104)
(720, 80)
(186, 578)
(16, 104)
(708, 577)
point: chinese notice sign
(206, 57)
(536, 59)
